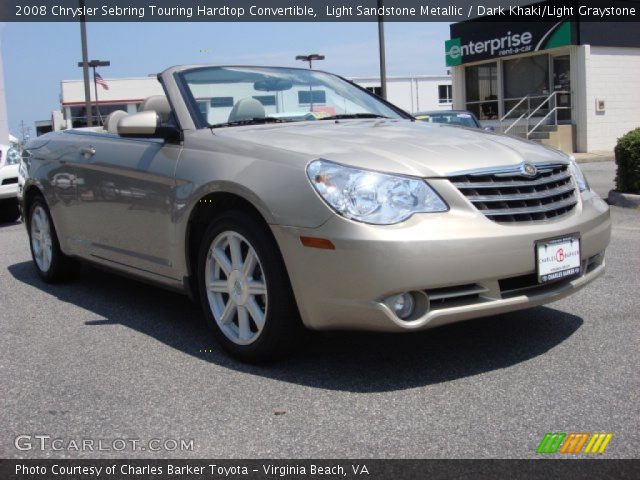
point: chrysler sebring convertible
(286, 199)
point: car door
(125, 192)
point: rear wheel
(52, 265)
(245, 289)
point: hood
(396, 146)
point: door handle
(88, 151)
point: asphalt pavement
(107, 358)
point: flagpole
(95, 87)
(93, 64)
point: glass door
(561, 82)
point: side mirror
(141, 124)
(147, 125)
(489, 129)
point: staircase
(539, 124)
(543, 132)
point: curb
(626, 200)
(595, 159)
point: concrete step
(547, 128)
(537, 135)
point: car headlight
(13, 157)
(372, 197)
(578, 175)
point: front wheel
(245, 290)
(52, 265)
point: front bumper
(9, 182)
(468, 265)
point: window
(481, 88)
(445, 94)
(42, 129)
(314, 96)
(287, 94)
(220, 102)
(375, 90)
(79, 117)
(526, 76)
(266, 100)
(107, 109)
(203, 107)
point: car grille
(10, 181)
(508, 195)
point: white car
(9, 166)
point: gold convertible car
(285, 198)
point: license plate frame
(561, 264)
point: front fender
(271, 179)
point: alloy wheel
(41, 240)
(236, 288)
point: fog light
(402, 305)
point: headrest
(111, 122)
(159, 104)
(246, 109)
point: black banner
(316, 10)
(317, 469)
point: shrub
(628, 161)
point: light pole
(310, 58)
(85, 66)
(93, 64)
(24, 132)
(383, 63)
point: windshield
(452, 118)
(229, 96)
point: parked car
(9, 165)
(462, 118)
(359, 218)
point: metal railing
(553, 110)
(529, 113)
(513, 124)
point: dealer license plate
(558, 258)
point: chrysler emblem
(529, 170)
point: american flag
(101, 81)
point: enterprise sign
(474, 41)
(493, 45)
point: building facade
(570, 84)
(4, 125)
(414, 93)
(122, 94)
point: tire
(51, 264)
(9, 211)
(253, 313)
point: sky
(38, 56)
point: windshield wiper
(353, 115)
(248, 121)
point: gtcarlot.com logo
(46, 442)
(574, 443)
